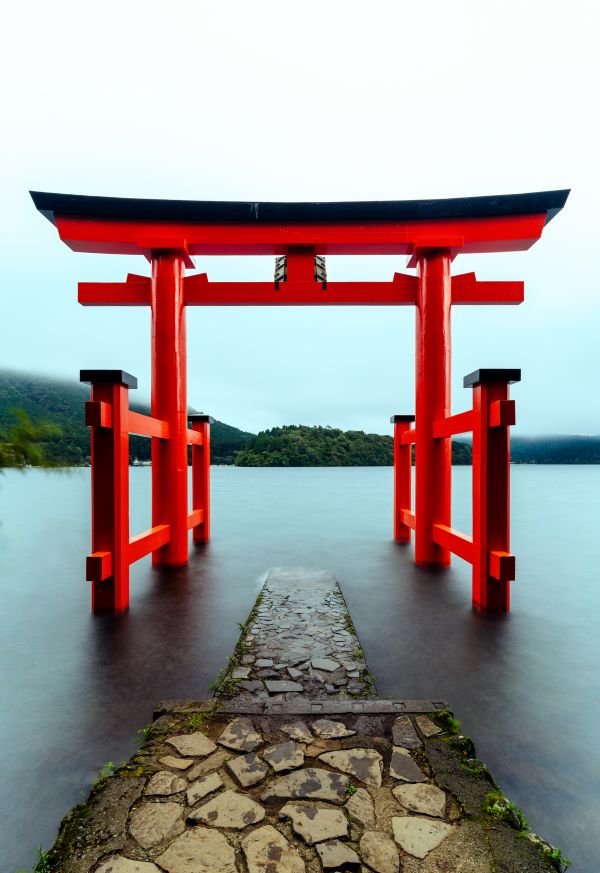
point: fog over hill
(62, 402)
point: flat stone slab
(330, 730)
(200, 850)
(327, 664)
(229, 810)
(164, 782)
(268, 851)
(310, 783)
(153, 822)
(361, 809)
(248, 769)
(203, 787)
(404, 733)
(240, 672)
(297, 730)
(195, 745)
(119, 864)
(417, 835)
(427, 727)
(315, 824)
(365, 764)
(177, 763)
(424, 798)
(379, 852)
(403, 767)
(317, 747)
(284, 756)
(241, 736)
(281, 686)
(336, 855)
(213, 762)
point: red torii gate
(170, 232)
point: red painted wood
(467, 290)
(195, 517)
(201, 480)
(491, 502)
(98, 566)
(148, 541)
(114, 293)
(408, 436)
(497, 234)
(98, 414)
(461, 423)
(402, 482)
(456, 542)
(432, 369)
(169, 404)
(401, 291)
(145, 425)
(110, 502)
(408, 518)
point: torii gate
(170, 232)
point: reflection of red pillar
(201, 475)
(169, 403)
(402, 476)
(432, 457)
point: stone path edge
(443, 754)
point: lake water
(76, 688)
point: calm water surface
(76, 688)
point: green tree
(21, 444)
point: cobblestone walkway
(298, 769)
(299, 641)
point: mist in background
(310, 101)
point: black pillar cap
(396, 418)
(108, 377)
(482, 377)
(200, 416)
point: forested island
(61, 403)
(298, 445)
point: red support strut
(201, 476)
(107, 414)
(402, 477)
(433, 457)
(493, 565)
(169, 403)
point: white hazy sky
(307, 101)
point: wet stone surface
(284, 781)
(300, 640)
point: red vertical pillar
(402, 476)
(493, 413)
(108, 566)
(432, 457)
(201, 475)
(169, 403)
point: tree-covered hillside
(59, 402)
(567, 449)
(62, 403)
(303, 446)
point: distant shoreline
(62, 403)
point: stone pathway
(298, 641)
(317, 778)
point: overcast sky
(307, 101)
